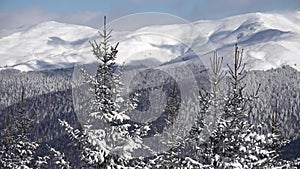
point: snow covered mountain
(269, 39)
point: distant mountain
(269, 39)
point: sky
(18, 13)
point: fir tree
(17, 149)
(233, 142)
(106, 141)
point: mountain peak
(51, 23)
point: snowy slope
(46, 45)
(269, 39)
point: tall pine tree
(106, 141)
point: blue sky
(16, 13)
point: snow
(270, 40)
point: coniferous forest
(241, 118)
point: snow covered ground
(270, 40)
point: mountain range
(269, 40)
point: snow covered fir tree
(108, 146)
(233, 141)
(232, 129)
(17, 150)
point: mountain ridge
(270, 40)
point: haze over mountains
(270, 40)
